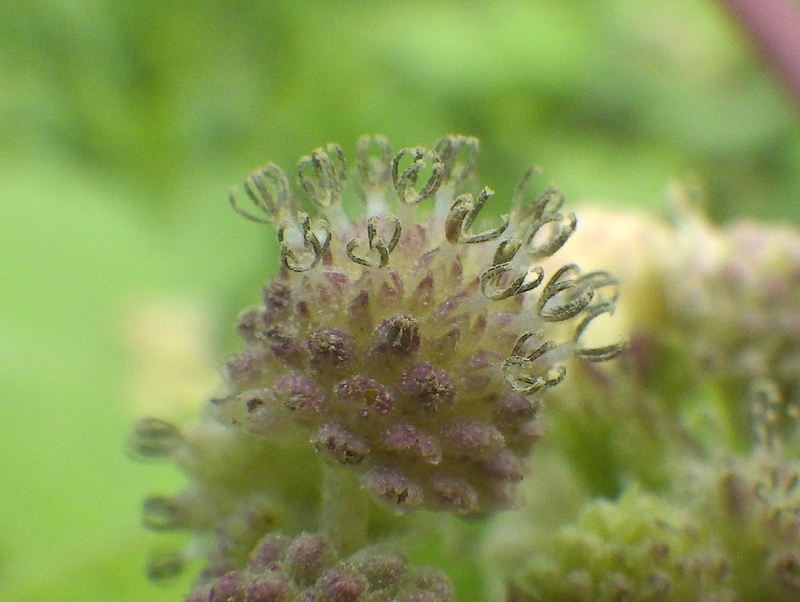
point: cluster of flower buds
(406, 345)
(406, 350)
(639, 547)
(737, 299)
(307, 568)
(726, 529)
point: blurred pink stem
(774, 27)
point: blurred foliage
(122, 126)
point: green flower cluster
(682, 473)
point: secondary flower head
(410, 345)
(738, 298)
(727, 528)
(281, 568)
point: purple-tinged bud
(500, 322)
(269, 551)
(429, 449)
(212, 572)
(277, 298)
(403, 437)
(228, 588)
(503, 466)
(471, 439)
(391, 487)
(423, 261)
(251, 324)
(400, 436)
(272, 587)
(501, 495)
(397, 282)
(479, 325)
(433, 580)
(480, 369)
(391, 291)
(513, 408)
(423, 293)
(448, 306)
(247, 367)
(384, 402)
(446, 344)
(263, 413)
(307, 557)
(456, 271)
(519, 439)
(483, 359)
(330, 348)
(284, 345)
(454, 494)
(325, 295)
(239, 530)
(366, 393)
(341, 584)
(383, 568)
(398, 336)
(357, 390)
(342, 446)
(427, 388)
(338, 281)
(302, 310)
(359, 311)
(300, 394)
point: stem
(344, 510)
(774, 28)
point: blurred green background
(123, 125)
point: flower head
(405, 349)
(739, 298)
(307, 567)
(409, 345)
(726, 528)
